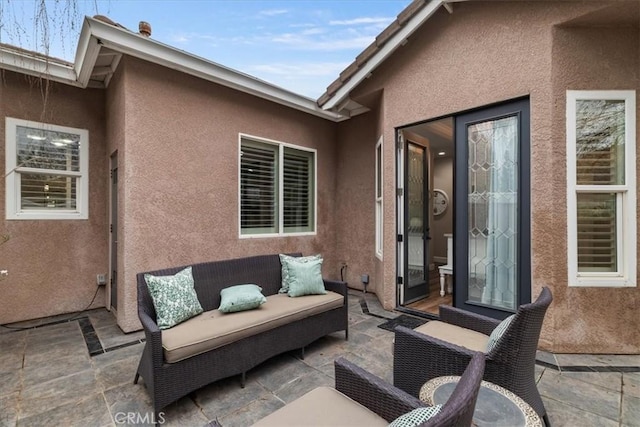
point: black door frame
(414, 295)
(520, 108)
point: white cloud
(273, 12)
(315, 69)
(363, 21)
(299, 41)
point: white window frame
(13, 172)
(280, 148)
(379, 199)
(625, 200)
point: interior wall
(53, 264)
(442, 224)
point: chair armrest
(153, 336)
(417, 358)
(336, 286)
(373, 392)
(466, 319)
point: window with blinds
(277, 188)
(601, 188)
(47, 171)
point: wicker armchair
(377, 397)
(510, 364)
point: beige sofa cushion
(453, 334)
(323, 406)
(213, 329)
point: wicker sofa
(239, 341)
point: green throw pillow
(416, 417)
(497, 333)
(240, 298)
(306, 278)
(174, 298)
(285, 260)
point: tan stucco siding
(181, 174)
(485, 53)
(597, 320)
(53, 264)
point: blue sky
(295, 44)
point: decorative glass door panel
(416, 223)
(492, 229)
(493, 212)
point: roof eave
(133, 44)
(397, 40)
(38, 66)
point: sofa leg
(243, 379)
(302, 353)
(545, 420)
(346, 334)
(135, 380)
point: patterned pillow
(174, 298)
(416, 417)
(284, 261)
(240, 298)
(497, 333)
(306, 278)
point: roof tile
(388, 32)
(410, 10)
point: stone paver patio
(80, 373)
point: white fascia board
(133, 44)
(86, 55)
(389, 47)
(24, 63)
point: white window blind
(297, 188)
(47, 171)
(601, 188)
(277, 188)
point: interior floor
(430, 304)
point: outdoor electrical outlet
(365, 279)
(101, 279)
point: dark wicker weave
(419, 358)
(167, 382)
(390, 402)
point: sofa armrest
(336, 286)
(417, 358)
(153, 336)
(466, 319)
(372, 392)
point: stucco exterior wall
(181, 151)
(485, 53)
(53, 264)
(115, 112)
(356, 200)
(597, 320)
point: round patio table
(495, 407)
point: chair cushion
(416, 417)
(322, 406)
(453, 334)
(306, 278)
(174, 298)
(240, 298)
(284, 262)
(497, 333)
(213, 329)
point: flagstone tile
(591, 398)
